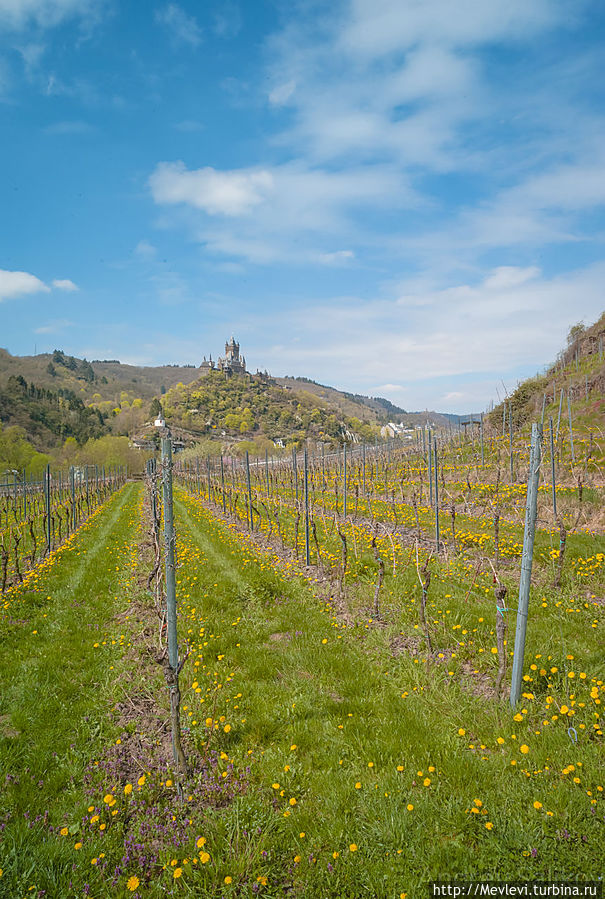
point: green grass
(308, 694)
(55, 692)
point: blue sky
(397, 197)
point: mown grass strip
(56, 690)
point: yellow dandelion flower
(353, 847)
(132, 883)
(204, 857)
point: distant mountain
(379, 409)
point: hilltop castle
(230, 364)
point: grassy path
(375, 751)
(56, 688)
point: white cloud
(394, 96)
(171, 288)
(282, 93)
(510, 276)
(54, 327)
(470, 332)
(292, 205)
(18, 14)
(339, 257)
(388, 388)
(228, 20)
(183, 28)
(230, 193)
(65, 284)
(379, 27)
(16, 284)
(32, 53)
(145, 250)
(69, 127)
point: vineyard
(37, 516)
(336, 717)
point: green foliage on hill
(17, 454)
(48, 417)
(251, 405)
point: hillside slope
(579, 371)
(48, 417)
(97, 380)
(259, 406)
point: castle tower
(232, 362)
(232, 350)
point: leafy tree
(16, 453)
(86, 371)
(575, 332)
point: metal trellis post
(526, 563)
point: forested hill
(106, 380)
(48, 417)
(258, 406)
